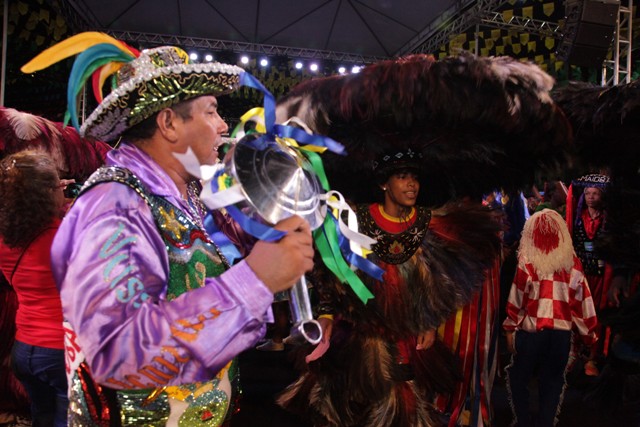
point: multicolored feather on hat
(143, 82)
(95, 50)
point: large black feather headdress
(606, 121)
(479, 123)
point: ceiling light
(313, 67)
(298, 65)
(342, 70)
(244, 59)
(193, 56)
(264, 62)
(208, 57)
(355, 69)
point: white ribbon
(357, 240)
(221, 198)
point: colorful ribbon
(341, 246)
(228, 249)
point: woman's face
(593, 197)
(401, 189)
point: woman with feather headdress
(468, 125)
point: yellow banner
(549, 42)
(548, 8)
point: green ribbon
(326, 239)
(318, 167)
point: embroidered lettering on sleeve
(119, 273)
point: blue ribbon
(223, 243)
(282, 131)
(255, 228)
(303, 137)
(246, 79)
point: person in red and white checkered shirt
(549, 300)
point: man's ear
(166, 122)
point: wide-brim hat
(144, 82)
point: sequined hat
(391, 161)
(591, 181)
(144, 82)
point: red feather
(76, 157)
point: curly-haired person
(32, 204)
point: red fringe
(545, 235)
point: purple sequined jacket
(111, 267)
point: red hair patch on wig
(546, 235)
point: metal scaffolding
(441, 31)
(618, 69)
(528, 25)
(240, 47)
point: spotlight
(355, 69)
(264, 62)
(298, 65)
(244, 59)
(208, 57)
(193, 56)
(313, 67)
(342, 70)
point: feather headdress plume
(143, 82)
(606, 122)
(95, 51)
(607, 127)
(480, 123)
(74, 156)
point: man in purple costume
(154, 311)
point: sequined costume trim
(394, 248)
(192, 257)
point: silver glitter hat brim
(119, 123)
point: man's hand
(280, 264)
(426, 339)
